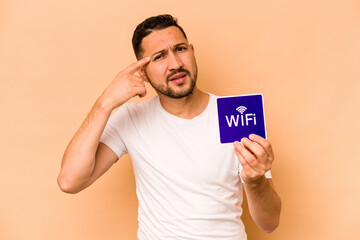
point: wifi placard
(239, 116)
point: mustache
(176, 72)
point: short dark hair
(148, 26)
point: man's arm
(256, 156)
(85, 159)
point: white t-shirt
(187, 182)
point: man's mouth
(178, 78)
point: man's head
(148, 26)
(172, 69)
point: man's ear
(142, 74)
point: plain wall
(56, 57)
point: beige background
(56, 57)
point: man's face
(172, 70)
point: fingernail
(251, 136)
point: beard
(172, 93)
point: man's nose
(174, 62)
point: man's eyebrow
(161, 51)
(179, 44)
(164, 50)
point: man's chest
(192, 151)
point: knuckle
(261, 152)
(242, 151)
(267, 144)
(251, 159)
(264, 155)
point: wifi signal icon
(241, 109)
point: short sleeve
(111, 136)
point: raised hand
(255, 155)
(125, 85)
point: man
(187, 183)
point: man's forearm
(79, 158)
(264, 204)
(79, 161)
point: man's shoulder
(131, 108)
(144, 105)
(213, 98)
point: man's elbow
(67, 186)
(272, 224)
(274, 221)
(270, 228)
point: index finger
(136, 65)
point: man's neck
(187, 107)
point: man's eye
(157, 57)
(179, 49)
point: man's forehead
(161, 39)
